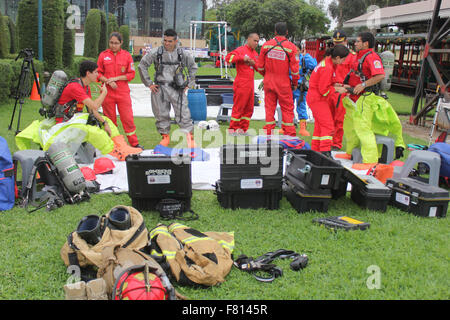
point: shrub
(5, 79)
(125, 32)
(68, 42)
(13, 36)
(27, 25)
(5, 41)
(10, 71)
(53, 31)
(112, 24)
(92, 33)
(103, 41)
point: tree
(103, 41)
(261, 15)
(5, 41)
(113, 25)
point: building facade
(147, 18)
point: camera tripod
(23, 87)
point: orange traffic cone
(34, 92)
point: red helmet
(103, 165)
(88, 173)
(139, 283)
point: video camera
(27, 54)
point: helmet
(103, 165)
(88, 173)
(139, 283)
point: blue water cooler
(197, 104)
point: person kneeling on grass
(72, 126)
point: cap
(339, 36)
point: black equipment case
(250, 176)
(302, 198)
(418, 197)
(314, 169)
(157, 177)
(368, 192)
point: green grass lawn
(411, 252)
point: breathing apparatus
(52, 93)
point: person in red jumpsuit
(244, 85)
(116, 69)
(372, 66)
(339, 37)
(277, 57)
(321, 86)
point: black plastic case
(305, 199)
(153, 178)
(250, 199)
(418, 197)
(314, 169)
(368, 192)
(245, 168)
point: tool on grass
(342, 222)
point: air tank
(388, 59)
(57, 81)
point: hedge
(10, 71)
(14, 38)
(92, 33)
(125, 32)
(53, 30)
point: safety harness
(372, 89)
(281, 46)
(263, 264)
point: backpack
(7, 186)
(443, 149)
(192, 257)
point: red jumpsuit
(275, 66)
(110, 65)
(243, 87)
(320, 88)
(338, 110)
(371, 67)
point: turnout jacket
(112, 65)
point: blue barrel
(227, 98)
(197, 104)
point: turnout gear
(243, 87)
(77, 251)
(277, 58)
(193, 257)
(320, 87)
(370, 115)
(168, 66)
(111, 65)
